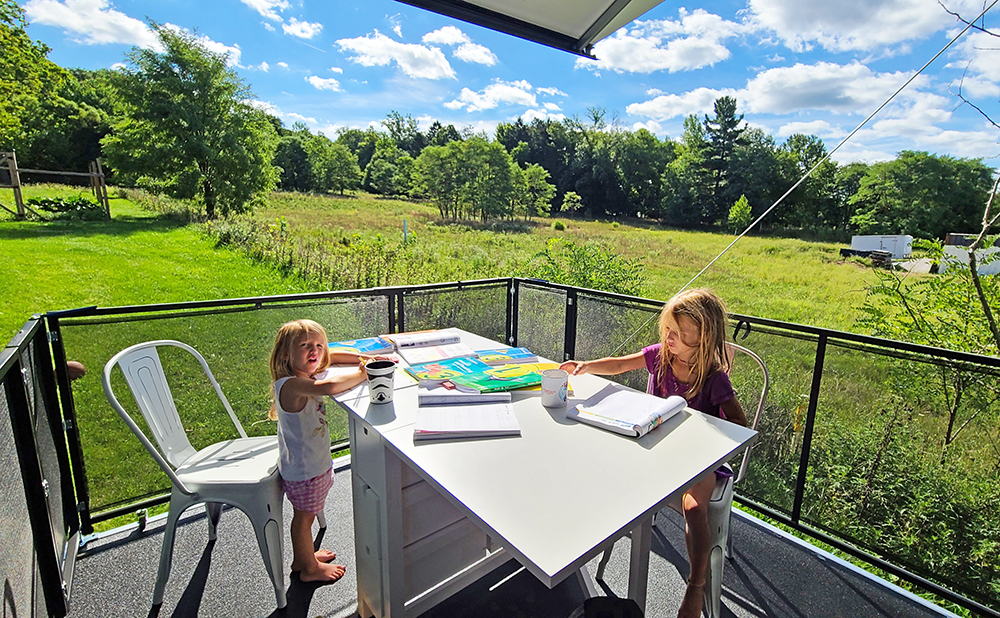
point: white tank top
(303, 438)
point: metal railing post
(800, 483)
(70, 424)
(513, 287)
(569, 340)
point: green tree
(813, 204)
(292, 159)
(641, 162)
(63, 130)
(440, 173)
(333, 167)
(405, 133)
(922, 195)
(756, 170)
(539, 191)
(740, 215)
(571, 202)
(686, 183)
(360, 143)
(26, 74)
(185, 126)
(722, 132)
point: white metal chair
(721, 503)
(241, 472)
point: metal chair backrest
(732, 350)
(143, 371)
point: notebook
(486, 420)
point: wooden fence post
(15, 183)
(102, 190)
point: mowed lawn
(136, 258)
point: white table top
(558, 493)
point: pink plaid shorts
(309, 496)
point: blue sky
(816, 67)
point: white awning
(570, 25)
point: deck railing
(885, 450)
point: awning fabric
(570, 25)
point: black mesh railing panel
(608, 327)
(236, 342)
(904, 463)
(773, 470)
(480, 309)
(541, 320)
(17, 553)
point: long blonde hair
(708, 313)
(289, 336)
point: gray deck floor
(771, 574)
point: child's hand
(574, 368)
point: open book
(487, 420)
(503, 356)
(370, 345)
(433, 374)
(431, 353)
(506, 378)
(628, 412)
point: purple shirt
(716, 390)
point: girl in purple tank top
(690, 360)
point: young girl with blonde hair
(690, 361)
(299, 362)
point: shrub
(69, 207)
(558, 226)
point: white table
(432, 517)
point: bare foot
(323, 572)
(693, 598)
(323, 555)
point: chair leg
(321, 519)
(167, 550)
(267, 520)
(713, 582)
(729, 537)
(269, 540)
(213, 510)
(602, 564)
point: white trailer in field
(899, 246)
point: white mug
(381, 374)
(555, 383)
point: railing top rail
(93, 311)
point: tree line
(180, 121)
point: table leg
(638, 571)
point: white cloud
(117, 65)
(467, 51)
(499, 92)
(851, 24)
(283, 65)
(475, 53)
(396, 24)
(263, 66)
(820, 128)
(541, 114)
(652, 126)
(552, 107)
(268, 8)
(694, 41)
(551, 91)
(323, 83)
(301, 29)
(91, 22)
(843, 89)
(414, 60)
(448, 35)
(298, 118)
(336, 69)
(666, 106)
(267, 26)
